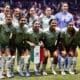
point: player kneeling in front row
(36, 44)
(23, 47)
(51, 36)
(70, 44)
(7, 34)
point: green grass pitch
(50, 76)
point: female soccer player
(22, 47)
(70, 45)
(51, 37)
(7, 35)
(36, 42)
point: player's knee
(55, 54)
(71, 54)
(64, 53)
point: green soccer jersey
(51, 37)
(78, 38)
(69, 39)
(1, 31)
(35, 36)
(21, 34)
(7, 33)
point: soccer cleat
(9, 74)
(21, 74)
(75, 71)
(37, 73)
(2, 76)
(70, 72)
(44, 73)
(54, 72)
(63, 73)
(27, 73)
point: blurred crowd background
(74, 6)
(39, 4)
